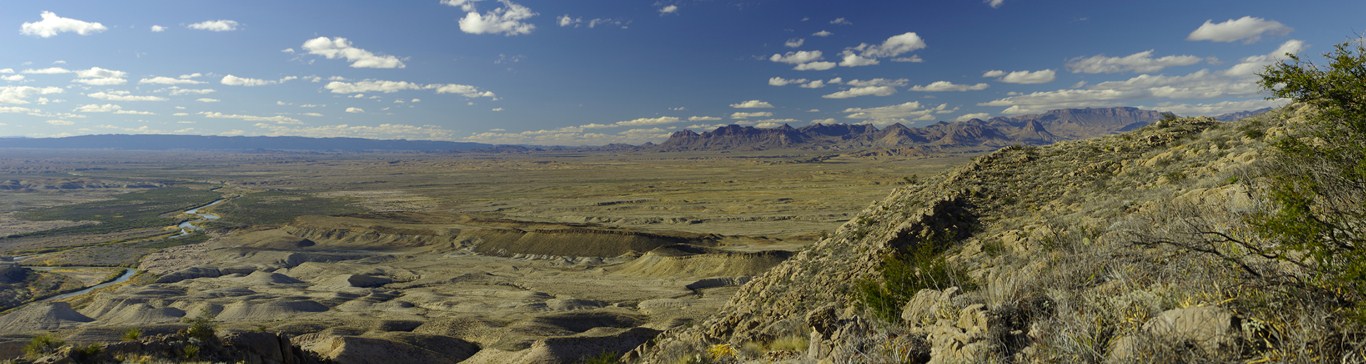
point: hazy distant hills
(237, 143)
(1049, 127)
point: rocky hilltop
(1049, 127)
(1028, 254)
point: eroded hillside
(1063, 253)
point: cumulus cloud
(1247, 29)
(794, 43)
(177, 91)
(122, 96)
(866, 54)
(662, 120)
(1023, 77)
(569, 21)
(995, 3)
(669, 9)
(50, 25)
(815, 66)
(96, 76)
(158, 29)
(278, 119)
(220, 25)
(47, 71)
(979, 115)
(822, 34)
(905, 113)
(1142, 62)
(381, 131)
(944, 86)
(207, 100)
(110, 108)
(1251, 65)
(338, 47)
(355, 110)
(862, 91)
(747, 115)
(163, 80)
(841, 21)
(752, 104)
(507, 19)
(1201, 84)
(60, 122)
(21, 94)
(779, 81)
(703, 118)
(384, 86)
(232, 80)
(796, 57)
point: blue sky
(601, 71)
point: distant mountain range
(1049, 127)
(238, 143)
(1045, 128)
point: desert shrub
(907, 271)
(132, 334)
(42, 345)
(605, 357)
(201, 327)
(86, 353)
(1316, 183)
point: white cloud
(1251, 65)
(110, 108)
(669, 9)
(747, 115)
(496, 109)
(338, 47)
(966, 117)
(862, 91)
(176, 91)
(1142, 62)
(381, 131)
(382, 86)
(841, 21)
(914, 58)
(158, 29)
(47, 71)
(1218, 108)
(905, 113)
(462, 90)
(1023, 77)
(207, 100)
(6, 71)
(51, 25)
(569, 21)
(794, 43)
(12, 78)
(60, 122)
(752, 104)
(355, 110)
(868, 54)
(1201, 84)
(215, 25)
(163, 80)
(797, 57)
(899, 82)
(278, 119)
(779, 81)
(96, 76)
(813, 84)
(815, 66)
(1247, 29)
(231, 80)
(465, 5)
(944, 86)
(703, 118)
(508, 19)
(16, 110)
(122, 96)
(20, 94)
(995, 3)
(662, 120)
(822, 34)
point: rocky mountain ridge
(1038, 129)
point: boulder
(1210, 328)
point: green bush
(1317, 181)
(201, 328)
(907, 271)
(42, 345)
(132, 334)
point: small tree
(1317, 184)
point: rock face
(1053, 126)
